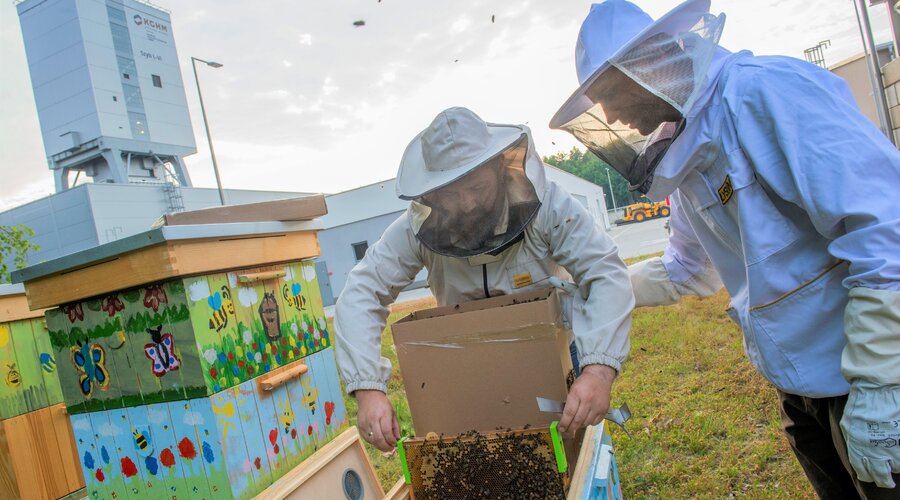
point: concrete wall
(856, 72)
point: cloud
(198, 290)
(305, 39)
(329, 87)
(109, 430)
(192, 418)
(247, 296)
(286, 63)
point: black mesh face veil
(634, 106)
(482, 211)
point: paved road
(640, 238)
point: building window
(126, 76)
(359, 250)
(157, 81)
(115, 99)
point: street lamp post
(212, 152)
(611, 191)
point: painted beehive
(187, 337)
(178, 352)
(232, 444)
(27, 362)
(37, 458)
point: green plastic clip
(402, 452)
(561, 464)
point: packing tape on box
(523, 333)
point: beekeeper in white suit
(484, 221)
(783, 192)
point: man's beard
(472, 233)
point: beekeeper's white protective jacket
(563, 240)
(790, 193)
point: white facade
(108, 89)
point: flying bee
(309, 398)
(12, 376)
(293, 297)
(287, 417)
(142, 443)
(222, 306)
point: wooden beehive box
(182, 337)
(233, 444)
(178, 352)
(37, 450)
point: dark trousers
(813, 428)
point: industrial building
(108, 89)
(113, 114)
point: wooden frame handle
(263, 276)
(281, 375)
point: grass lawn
(704, 423)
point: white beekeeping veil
(644, 77)
(474, 186)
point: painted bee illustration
(309, 399)
(142, 443)
(12, 376)
(90, 362)
(270, 317)
(222, 306)
(287, 417)
(293, 297)
(161, 351)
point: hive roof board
(164, 253)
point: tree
(587, 166)
(14, 243)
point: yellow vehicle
(638, 212)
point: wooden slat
(583, 465)
(15, 307)
(400, 491)
(167, 261)
(125, 271)
(25, 454)
(8, 484)
(49, 460)
(65, 440)
(291, 209)
(204, 256)
(278, 376)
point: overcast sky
(308, 102)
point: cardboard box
(480, 365)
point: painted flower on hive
(154, 297)
(128, 467)
(112, 305)
(167, 458)
(74, 311)
(186, 449)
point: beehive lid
(14, 305)
(165, 253)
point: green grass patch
(705, 423)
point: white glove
(871, 425)
(871, 362)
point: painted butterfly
(161, 351)
(90, 362)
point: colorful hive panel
(28, 368)
(185, 338)
(232, 444)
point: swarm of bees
(504, 464)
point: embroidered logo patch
(523, 279)
(726, 190)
